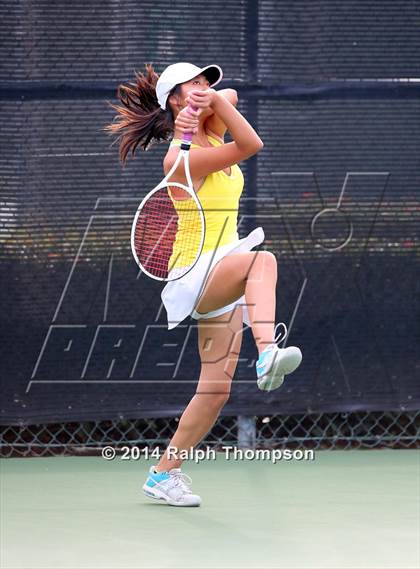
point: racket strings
(168, 234)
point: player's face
(200, 83)
(177, 102)
(197, 83)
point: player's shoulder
(170, 156)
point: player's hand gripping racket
(168, 230)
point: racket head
(168, 231)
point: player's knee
(268, 258)
(266, 262)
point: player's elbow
(251, 148)
(233, 96)
(257, 145)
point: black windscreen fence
(333, 89)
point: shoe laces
(181, 479)
(277, 337)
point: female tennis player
(230, 284)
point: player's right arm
(203, 161)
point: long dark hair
(141, 121)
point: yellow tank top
(219, 196)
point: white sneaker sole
(285, 361)
(156, 494)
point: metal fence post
(246, 431)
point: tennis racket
(168, 230)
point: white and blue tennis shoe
(274, 363)
(172, 486)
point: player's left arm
(214, 126)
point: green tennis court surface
(346, 509)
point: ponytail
(142, 122)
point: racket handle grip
(187, 136)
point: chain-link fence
(362, 429)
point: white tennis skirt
(180, 296)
